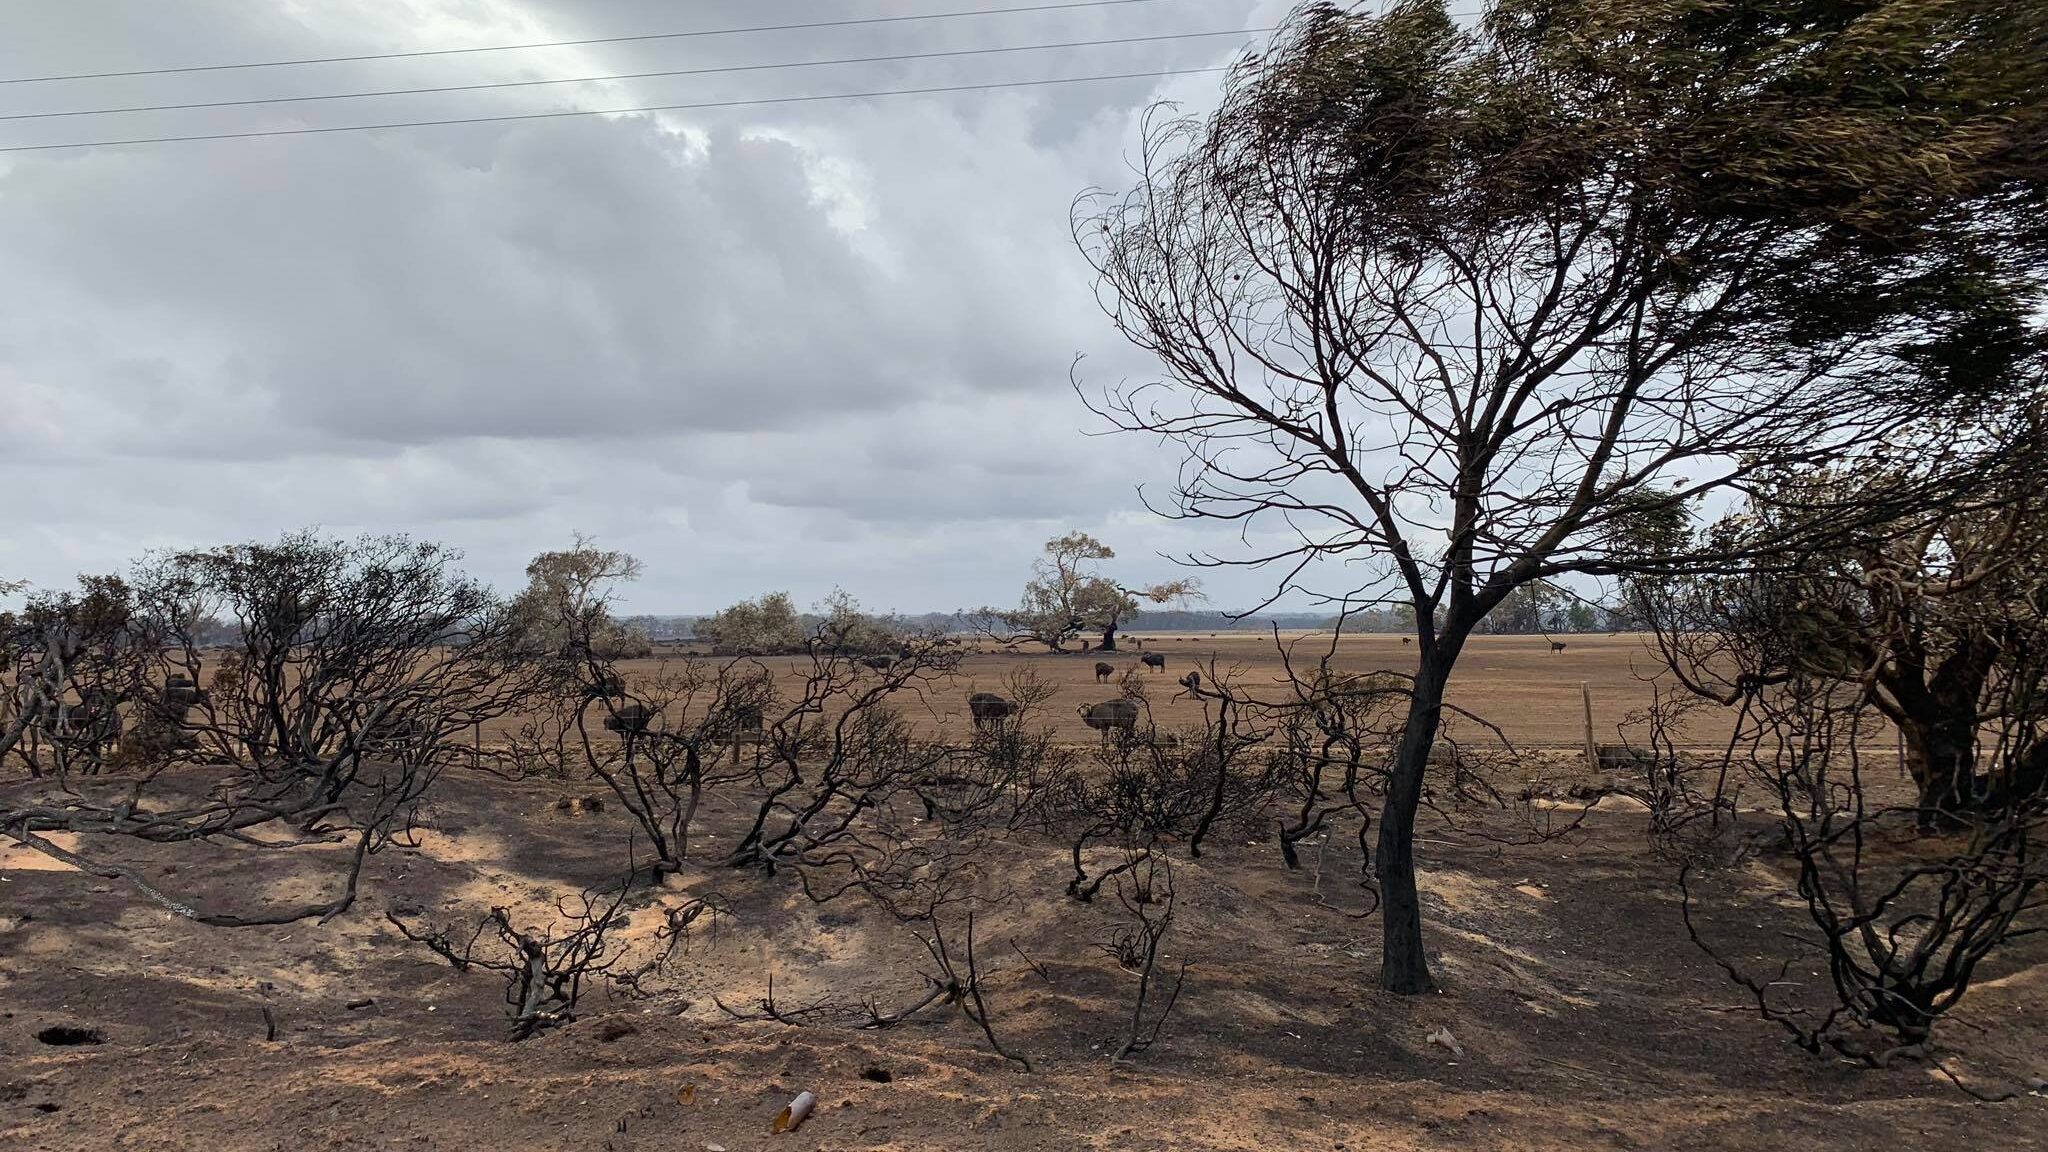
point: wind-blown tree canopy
(1465, 306)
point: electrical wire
(706, 71)
(645, 36)
(705, 104)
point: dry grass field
(1584, 1017)
(1515, 682)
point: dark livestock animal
(1103, 671)
(1111, 716)
(880, 663)
(1153, 660)
(629, 719)
(1557, 645)
(989, 708)
(1192, 682)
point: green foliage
(768, 623)
(566, 605)
(1067, 595)
(846, 629)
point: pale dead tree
(1453, 305)
(358, 672)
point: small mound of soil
(67, 1034)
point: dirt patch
(1584, 1017)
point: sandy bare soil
(1585, 1017)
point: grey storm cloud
(795, 345)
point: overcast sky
(772, 347)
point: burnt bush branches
(355, 672)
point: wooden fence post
(1592, 749)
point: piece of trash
(687, 1094)
(792, 1116)
(1442, 1038)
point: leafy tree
(844, 628)
(1529, 609)
(1458, 304)
(1067, 596)
(768, 623)
(567, 601)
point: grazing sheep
(1153, 660)
(180, 694)
(1111, 716)
(989, 708)
(1103, 671)
(629, 719)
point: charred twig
(1149, 898)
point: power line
(901, 56)
(808, 25)
(617, 111)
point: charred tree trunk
(1941, 755)
(1937, 715)
(1404, 967)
